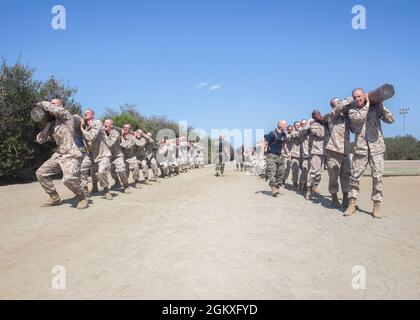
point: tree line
(20, 155)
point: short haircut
(357, 89)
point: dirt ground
(202, 237)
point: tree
(20, 155)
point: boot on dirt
(126, 189)
(137, 184)
(83, 202)
(345, 200)
(295, 186)
(275, 191)
(95, 188)
(351, 209)
(107, 194)
(146, 182)
(116, 185)
(53, 201)
(309, 194)
(335, 203)
(377, 210)
(86, 191)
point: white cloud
(215, 87)
(202, 85)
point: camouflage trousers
(295, 167)
(132, 165)
(360, 163)
(304, 170)
(287, 170)
(338, 166)
(316, 166)
(276, 166)
(144, 163)
(71, 174)
(220, 165)
(118, 170)
(98, 171)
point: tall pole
(404, 112)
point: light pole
(404, 112)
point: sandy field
(202, 237)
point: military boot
(95, 188)
(86, 191)
(53, 201)
(116, 185)
(146, 182)
(126, 189)
(137, 184)
(275, 191)
(345, 200)
(295, 186)
(83, 202)
(351, 209)
(334, 202)
(107, 194)
(377, 210)
(309, 194)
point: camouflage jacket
(128, 146)
(62, 131)
(339, 140)
(113, 141)
(141, 148)
(304, 134)
(318, 137)
(366, 123)
(94, 137)
(293, 142)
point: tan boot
(95, 188)
(107, 194)
(126, 190)
(83, 202)
(351, 210)
(335, 203)
(116, 185)
(87, 192)
(377, 210)
(146, 182)
(137, 184)
(275, 191)
(53, 201)
(309, 194)
(345, 200)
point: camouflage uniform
(100, 156)
(128, 145)
(221, 156)
(289, 143)
(369, 147)
(67, 157)
(141, 156)
(118, 170)
(304, 155)
(318, 140)
(294, 141)
(338, 149)
(276, 162)
(162, 158)
(151, 158)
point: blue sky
(257, 61)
